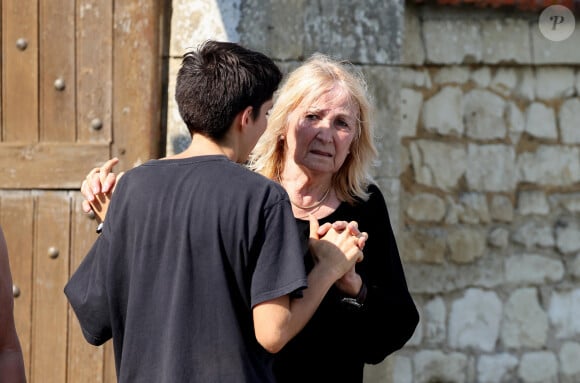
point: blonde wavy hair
(318, 75)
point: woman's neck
(309, 195)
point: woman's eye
(343, 124)
(311, 117)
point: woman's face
(320, 133)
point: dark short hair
(219, 80)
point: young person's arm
(11, 360)
(277, 321)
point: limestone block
(438, 164)
(366, 34)
(555, 52)
(491, 167)
(193, 22)
(426, 207)
(533, 269)
(275, 28)
(506, 40)
(442, 113)
(532, 202)
(474, 320)
(481, 76)
(550, 165)
(525, 322)
(452, 41)
(403, 370)
(411, 102)
(526, 88)
(567, 235)
(435, 317)
(436, 366)
(504, 81)
(415, 78)
(425, 246)
(532, 233)
(569, 121)
(453, 74)
(474, 208)
(541, 121)
(498, 237)
(453, 211)
(292, 29)
(384, 92)
(564, 312)
(516, 122)
(466, 244)
(569, 357)
(574, 266)
(554, 82)
(405, 159)
(487, 272)
(496, 368)
(501, 208)
(539, 367)
(413, 52)
(569, 201)
(483, 113)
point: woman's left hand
(350, 283)
(340, 226)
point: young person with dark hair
(198, 271)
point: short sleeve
(87, 294)
(280, 265)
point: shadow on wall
(180, 143)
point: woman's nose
(324, 133)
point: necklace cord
(315, 205)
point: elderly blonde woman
(319, 147)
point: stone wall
(478, 122)
(490, 202)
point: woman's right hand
(337, 251)
(97, 188)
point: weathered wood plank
(57, 71)
(110, 373)
(137, 112)
(50, 270)
(94, 70)
(85, 362)
(48, 165)
(20, 71)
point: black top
(188, 248)
(339, 339)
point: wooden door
(80, 83)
